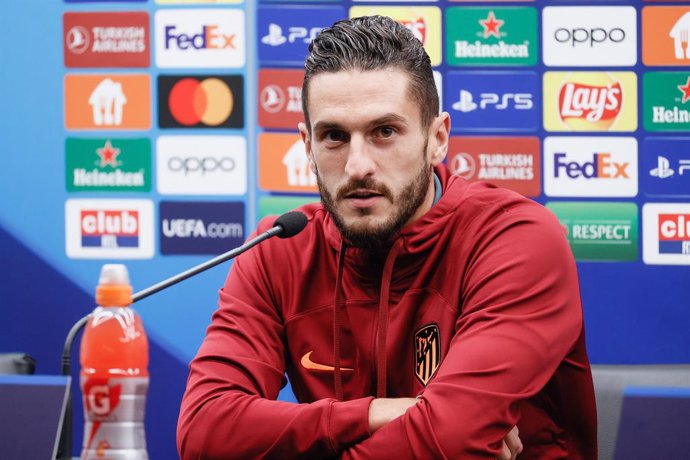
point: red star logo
(685, 90)
(491, 25)
(108, 154)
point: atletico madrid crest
(427, 342)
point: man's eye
(386, 131)
(335, 136)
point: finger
(505, 453)
(513, 443)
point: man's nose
(360, 162)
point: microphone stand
(65, 446)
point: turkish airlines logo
(207, 101)
(114, 39)
(280, 98)
(107, 102)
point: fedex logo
(601, 166)
(590, 166)
(209, 37)
(109, 228)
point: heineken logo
(108, 164)
(666, 96)
(501, 35)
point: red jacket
(475, 307)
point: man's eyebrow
(382, 120)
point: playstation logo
(275, 36)
(662, 170)
(465, 103)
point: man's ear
(304, 134)
(439, 136)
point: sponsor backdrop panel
(157, 133)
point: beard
(375, 236)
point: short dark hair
(373, 43)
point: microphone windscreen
(292, 223)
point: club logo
(115, 39)
(285, 31)
(666, 233)
(209, 38)
(109, 229)
(423, 21)
(107, 102)
(491, 36)
(598, 36)
(665, 35)
(510, 162)
(200, 227)
(590, 166)
(493, 101)
(599, 231)
(201, 165)
(590, 101)
(209, 101)
(427, 343)
(280, 98)
(108, 165)
(666, 96)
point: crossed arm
(509, 340)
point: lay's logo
(590, 101)
(109, 228)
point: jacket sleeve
(229, 408)
(521, 315)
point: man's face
(371, 154)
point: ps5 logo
(663, 169)
(275, 35)
(517, 101)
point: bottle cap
(113, 288)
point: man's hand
(384, 410)
(512, 445)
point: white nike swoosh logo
(307, 363)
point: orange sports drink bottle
(114, 360)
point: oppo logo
(203, 165)
(593, 36)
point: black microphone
(285, 226)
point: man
(417, 315)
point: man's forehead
(367, 95)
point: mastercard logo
(208, 101)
